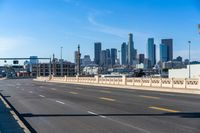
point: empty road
(68, 108)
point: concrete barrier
(124, 81)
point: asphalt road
(68, 108)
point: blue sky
(41, 27)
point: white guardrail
(124, 81)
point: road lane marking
(92, 113)
(164, 109)
(150, 97)
(74, 93)
(53, 89)
(107, 99)
(78, 88)
(95, 114)
(41, 96)
(102, 116)
(167, 94)
(103, 91)
(60, 102)
(30, 92)
(22, 89)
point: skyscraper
(108, 62)
(130, 49)
(151, 51)
(103, 58)
(169, 44)
(124, 53)
(97, 52)
(141, 58)
(113, 56)
(163, 53)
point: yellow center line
(105, 91)
(75, 93)
(164, 109)
(151, 97)
(107, 99)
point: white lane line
(53, 89)
(41, 96)
(166, 94)
(96, 114)
(102, 116)
(22, 89)
(60, 102)
(30, 92)
(92, 113)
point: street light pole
(189, 42)
(61, 52)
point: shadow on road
(183, 115)
(18, 114)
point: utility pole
(189, 42)
(61, 62)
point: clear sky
(41, 27)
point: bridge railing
(126, 81)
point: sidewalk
(7, 122)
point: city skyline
(41, 27)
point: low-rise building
(44, 69)
(184, 72)
(91, 70)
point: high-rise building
(141, 58)
(97, 52)
(151, 51)
(34, 60)
(169, 44)
(124, 53)
(134, 54)
(108, 57)
(86, 60)
(163, 53)
(103, 58)
(113, 56)
(76, 57)
(130, 49)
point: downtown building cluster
(128, 60)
